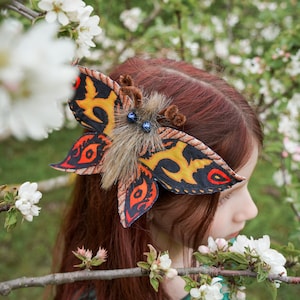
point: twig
(4, 207)
(60, 278)
(153, 14)
(286, 183)
(179, 21)
(23, 10)
(54, 183)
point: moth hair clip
(129, 144)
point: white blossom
(27, 197)
(235, 59)
(293, 106)
(59, 9)
(239, 84)
(271, 6)
(217, 22)
(282, 178)
(165, 261)
(253, 65)
(270, 256)
(87, 29)
(288, 126)
(208, 291)
(261, 248)
(265, 90)
(195, 293)
(206, 33)
(269, 33)
(293, 68)
(34, 80)
(277, 86)
(232, 19)
(245, 46)
(131, 18)
(221, 48)
(87, 26)
(193, 47)
(127, 53)
(239, 294)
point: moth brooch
(127, 144)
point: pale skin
(235, 208)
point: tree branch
(179, 25)
(4, 207)
(60, 278)
(23, 10)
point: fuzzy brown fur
(174, 116)
(129, 141)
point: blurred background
(252, 44)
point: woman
(221, 118)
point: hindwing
(137, 196)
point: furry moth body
(130, 141)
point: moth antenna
(126, 80)
(128, 88)
(172, 114)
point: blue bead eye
(146, 126)
(132, 117)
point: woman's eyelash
(223, 199)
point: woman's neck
(181, 257)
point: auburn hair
(217, 115)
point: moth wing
(97, 98)
(136, 197)
(188, 166)
(86, 155)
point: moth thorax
(121, 160)
(130, 140)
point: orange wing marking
(186, 169)
(90, 102)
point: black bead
(132, 117)
(146, 126)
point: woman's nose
(247, 209)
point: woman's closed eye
(223, 199)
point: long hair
(217, 115)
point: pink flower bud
(203, 249)
(101, 254)
(222, 244)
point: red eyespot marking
(89, 154)
(141, 196)
(216, 176)
(77, 83)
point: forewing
(95, 101)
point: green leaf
(189, 283)
(204, 259)
(155, 284)
(235, 257)
(11, 219)
(9, 198)
(262, 273)
(152, 255)
(143, 265)
(271, 288)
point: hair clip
(127, 144)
